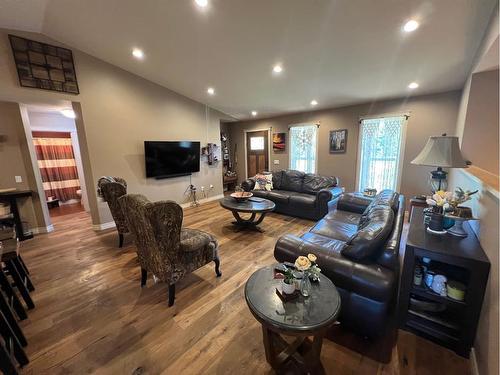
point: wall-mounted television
(166, 159)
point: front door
(257, 152)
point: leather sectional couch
(299, 194)
(357, 245)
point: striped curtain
(56, 161)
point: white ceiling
(338, 52)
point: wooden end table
(300, 318)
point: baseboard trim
(204, 200)
(474, 369)
(111, 224)
(41, 230)
(103, 226)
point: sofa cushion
(337, 229)
(371, 234)
(260, 193)
(332, 244)
(277, 177)
(302, 201)
(292, 181)
(313, 183)
(344, 216)
(279, 196)
(385, 197)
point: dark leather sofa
(299, 194)
(357, 245)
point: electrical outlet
(19, 179)
(276, 162)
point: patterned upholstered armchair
(164, 248)
(111, 189)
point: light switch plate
(19, 179)
(276, 162)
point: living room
(251, 87)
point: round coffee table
(253, 206)
(302, 317)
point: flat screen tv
(166, 159)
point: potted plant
(439, 202)
(288, 283)
(459, 198)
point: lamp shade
(441, 151)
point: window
(303, 148)
(380, 152)
(256, 143)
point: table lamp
(441, 152)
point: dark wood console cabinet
(461, 259)
(11, 198)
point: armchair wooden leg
(217, 264)
(120, 240)
(144, 277)
(171, 294)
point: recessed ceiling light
(254, 113)
(277, 68)
(69, 113)
(138, 53)
(413, 85)
(314, 103)
(410, 26)
(201, 3)
(211, 91)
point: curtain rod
(406, 115)
(304, 124)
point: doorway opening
(55, 141)
(257, 151)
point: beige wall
(482, 112)
(486, 205)
(15, 161)
(429, 115)
(121, 111)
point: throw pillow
(264, 182)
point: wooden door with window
(257, 152)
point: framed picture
(338, 141)
(279, 142)
(43, 66)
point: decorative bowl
(241, 196)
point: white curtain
(380, 152)
(303, 150)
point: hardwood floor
(91, 315)
(66, 209)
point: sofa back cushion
(292, 181)
(277, 178)
(387, 198)
(369, 240)
(313, 183)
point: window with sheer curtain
(380, 152)
(303, 147)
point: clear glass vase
(305, 285)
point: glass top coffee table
(253, 205)
(302, 317)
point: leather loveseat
(357, 245)
(299, 194)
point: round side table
(302, 317)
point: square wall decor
(338, 141)
(43, 66)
